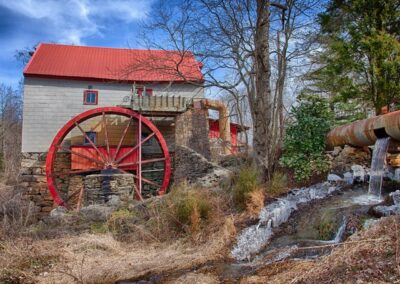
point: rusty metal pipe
(365, 132)
(223, 122)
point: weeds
(255, 202)
(119, 220)
(245, 182)
(15, 213)
(189, 209)
(277, 185)
(20, 261)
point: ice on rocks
(333, 177)
(256, 237)
(251, 241)
(386, 210)
(358, 173)
(396, 197)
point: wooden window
(92, 136)
(149, 92)
(90, 97)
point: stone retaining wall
(99, 188)
(32, 179)
(191, 130)
(196, 169)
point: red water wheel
(107, 139)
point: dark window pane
(90, 97)
(92, 136)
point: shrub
(304, 141)
(15, 213)
(245, 182)
(118, 220)
(277, 185)
(190, 208)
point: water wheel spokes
(113, 148)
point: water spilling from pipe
(377, 166)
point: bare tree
(10, 131)
(233, 40)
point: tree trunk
(261, 105)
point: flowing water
(306, 224)
(377, 166)
(255, 237)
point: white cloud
(73, 20)
(125, 10)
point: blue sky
(24, 23)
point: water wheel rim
(71, 124)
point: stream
(305, 224)
(310, 231)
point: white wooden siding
(50, 103)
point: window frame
(88, 133)
(149, 91)
(85, 93)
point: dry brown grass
(22, 260)
(192, 212)
(131, 243)
(195, 278)
(98, 258)
(255, 202)
(15, 213)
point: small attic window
(90, 97)
(149, 92)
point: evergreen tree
(361, 54)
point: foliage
(277, 185)
(361, 58)
(10, 131)
(327, 225)
(245, 182)
(189, 208)
(117, 222)
(304, 141)
(349, 111)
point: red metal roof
(112, 64)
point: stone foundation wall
(216, 149)
(191, 130)
(196, 169)
(100, 188)
(32, 179)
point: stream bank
(312, 223)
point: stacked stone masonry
(99, 188)
(191, 130)
(32, 179)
